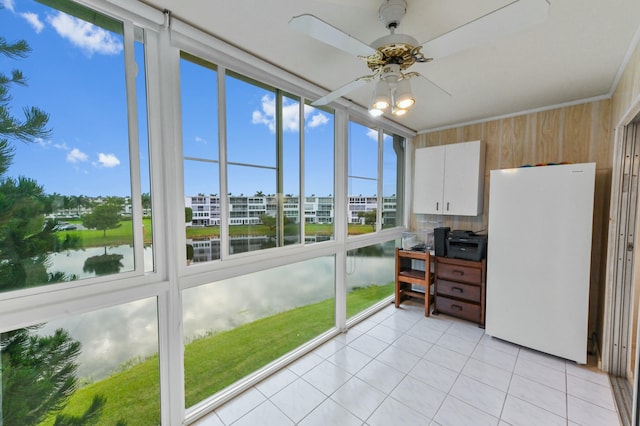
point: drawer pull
(454, 289)
(457, 307)
(458, 271)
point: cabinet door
(464, 179)
(428, 180)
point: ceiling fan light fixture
(399, 111)
(376, 112)
(404, 97)
(381, 98)
(405, 103)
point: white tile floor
(399, 368)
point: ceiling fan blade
(434, 84)
(349, 87)
(326, 33)
(509, 19)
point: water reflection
(76, 262)
(371, 265)
(208, 249)
(235, 301)
(113, 336)
(103, 264)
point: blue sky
(75, 72)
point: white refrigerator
(539, 257)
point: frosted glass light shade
(404, 98)
(381, 99)
(376, 112)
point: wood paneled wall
(575, 134)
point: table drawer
(468, 311)
(459, 273)
(459, 290)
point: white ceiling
(574, 55)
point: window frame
(52, 293)
(401, 171)
(165, 37)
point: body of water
(111, 337)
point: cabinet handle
(458, 307)
(458, 271)
(454, 289)
(447, 206)
(437, 206)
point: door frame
(611, 305)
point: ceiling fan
(390, 57)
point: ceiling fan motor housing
(391, 12)
(393, 48)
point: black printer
(466, 245)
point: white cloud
(318, 120)
(201, 140)
(267, 115)
(62, 145)
(108, 160)
(88, 37)
(47, 144)
(8, 4)
(290, 115)
(76, 156)
(34, 20)
(373, 134)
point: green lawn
(112, 237)
(216, 361)
(123, 233)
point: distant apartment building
(318, 210)
(206, 210)
(246, 210)
(359, 204)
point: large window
(392, 182)
(319, 211)
(370, 275)
(67, 211)
(103, 363)
(368, 210)
(265, 206)
(199, 90)
(363, 179)
(236, 326)
(87, 329)
(263, 169)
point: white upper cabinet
(428, 183)
(449, 179)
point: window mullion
(302, 197)
(134, 148)
(222, 155)
(341, 215)
(380, 196)
(279, 171)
